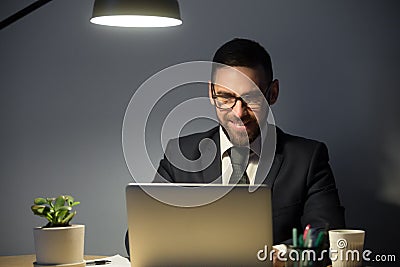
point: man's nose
(240, 108)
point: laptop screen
(229, 231)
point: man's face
(241, 122)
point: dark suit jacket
(303, 186)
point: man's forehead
(237, 79)
(227, 76)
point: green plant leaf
(68, 218)
(49, 217)
(58, 211)
(60, 215)
(64, 208)
(42, 211)
(40, 201)
(38, 209)
(50, 201)
(70, 200)
(48, 210)
(59, 202)
(75, 203)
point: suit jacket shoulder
(190, 144)
(288, 142)
(191, 159)
(303, 155)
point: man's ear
(273, 93)
(210, 94)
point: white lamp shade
(136, 13)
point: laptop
(183, 225)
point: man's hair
(243, 53)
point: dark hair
(243, 53)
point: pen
(294, 237)
(319, 238)
(306, 231)
(97, 262)
(308, 241)
(301, 241)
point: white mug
(346, 247)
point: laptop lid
(230, 231)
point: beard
(240, 131)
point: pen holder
(306, 257)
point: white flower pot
(59, 245)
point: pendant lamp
(136, 13)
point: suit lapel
(273, 172)
(212, 173)
(270, 163)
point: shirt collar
(225, 144)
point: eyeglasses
(226, 101)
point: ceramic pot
(59, 245)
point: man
(303, 186)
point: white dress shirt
(225, 145)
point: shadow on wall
(381, 208)
(389, 171)
(380, 220)
(368, 179)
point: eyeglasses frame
(214, 96)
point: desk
(27, 260)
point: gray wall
(65, 85)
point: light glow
(136, 21)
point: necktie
(239, 160)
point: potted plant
(58, 242)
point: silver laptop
(235, 230)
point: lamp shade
(136, 13)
